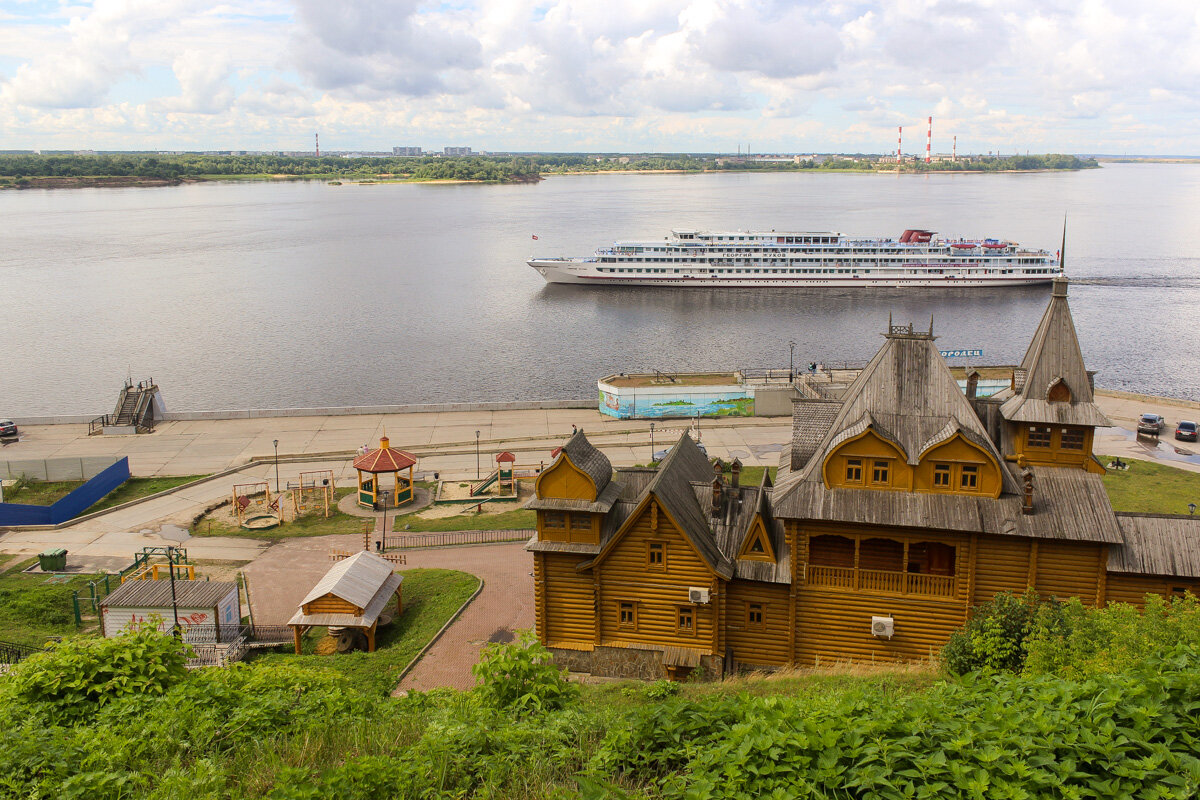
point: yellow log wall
(330, 604)
(1068, 569)
(570, 615)
(836, 626)
(623, 576)
(766, 646)
(1001, 565)
(1132, 589)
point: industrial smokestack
(929, 141)
(317, 141)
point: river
(301, 294)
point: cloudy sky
(1107, 76)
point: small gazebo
(373, 465)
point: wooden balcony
(876, 580)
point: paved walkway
(281, 577)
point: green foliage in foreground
(287, 731)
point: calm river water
(303, 294)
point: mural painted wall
(676, 401)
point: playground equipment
(505, 476)
(159, 572)
(314, 493)
(373, 464)
(256, 508)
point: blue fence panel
(90, 493)
(70, 506)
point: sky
(1078, 76)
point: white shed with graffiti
(213, 604)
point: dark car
(8, 427)
(1185, 431)
(1151, 424)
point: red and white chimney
(929, 141)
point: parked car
(661, 454)
(8, 427)
(1185, 431)
(1151, 424)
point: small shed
(374, 464)
(352, 595)
(213, 604)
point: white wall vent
(697, 594)
(883, 626)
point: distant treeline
(19, 169)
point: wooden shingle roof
(355, 579)
(1054, 356)
(1157, 544)
(811, 420)
(584, 455)
(906, 395)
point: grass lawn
(430, 597)
(1150, 487)
(503, 520)
(33, 609)
(751, 476)
(44, 493)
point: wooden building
(350, 598)
(896, 509)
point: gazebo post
(296, 635)
(371, 638)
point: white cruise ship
(787, 258)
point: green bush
(993, 640)
(73, 679)
(522, 677)
(1085, 642)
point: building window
(879, 472)
(970, 477)
(941, 476)
(754, 615)
(580, 522)
(685, 620)
(554, 519)
(1038, 436)
(1071, 438)
(656, 556)
(628, 618)
(854, 470)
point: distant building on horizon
(407, 151)
(456, 151)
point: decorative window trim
(855, 470)
(659, 548)
(756, 616)
(685, 614)
(627, 615)
(881, 466)
(943, 475)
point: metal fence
(11, 653)
(448, 538)
(71, 505)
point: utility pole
(791, 361)
(476, 455)
(174, 601)
(277, 467)
(651, 442)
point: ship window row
(813, 271)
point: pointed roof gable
(1053, 357)
(907, 396)
(672, 487)
(584, 455)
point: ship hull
(580, 273)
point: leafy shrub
(522, 677)
(993, 640)
(1087, 641)
(76, 677)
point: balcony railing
(878, 580)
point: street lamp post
(476, 455)
(791, 361)
(651, 442)
(174, 601)
(276, 466)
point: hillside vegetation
(123, 719)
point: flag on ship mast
(535, 236)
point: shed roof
(1053, 356)
(371, 611)
(157, 594)
(1157, 544)
(355, 579)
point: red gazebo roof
(505, 457)
(385, 459)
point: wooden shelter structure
(351, 596)
(384, 460)
(896, 509)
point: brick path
(281, 577)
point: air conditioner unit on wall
(697, 594)
(883, 626)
